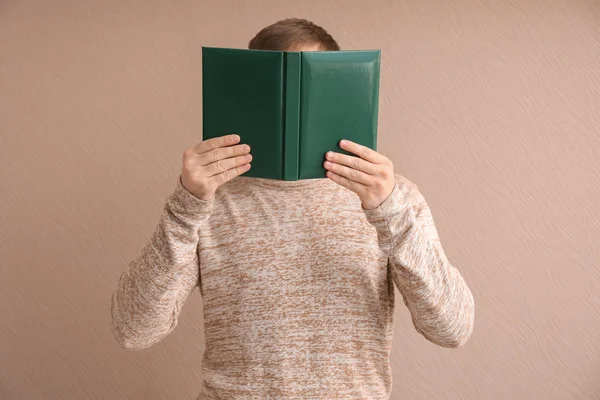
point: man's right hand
(211, 163)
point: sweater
(297, 284)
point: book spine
(376, 97)
(291, 136)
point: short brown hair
(288, 33)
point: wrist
(198, 196)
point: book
(291, 107)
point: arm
(150, 293)
(440, 303)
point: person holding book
(297, 277)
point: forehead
(306, 47)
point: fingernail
(329, 154)
(344, 143)
(236, 138)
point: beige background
(491, 107)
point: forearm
(440, 302)
(151, 292)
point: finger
(228, 175)
(220, 166)
(352, 162)
(347, 183)
(363, 152)
(214, 143)
(349, 173)
(221, 153)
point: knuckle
(219, 165)
(231, 173)
(226, 175)
(378, 185)
(214, 153)
(188, 164)
(208, 145)
(388, 173)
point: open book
(290, 107)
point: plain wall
(491, 107)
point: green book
(290, 107)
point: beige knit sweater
(297, 282)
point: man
(297, 277)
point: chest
(253, 242)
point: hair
(289, 33)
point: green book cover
(290, 107)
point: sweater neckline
(285, 185)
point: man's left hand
(370, 175)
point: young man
(297, 278)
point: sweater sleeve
(439, 300)
(150, 294)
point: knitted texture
(297, 282)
